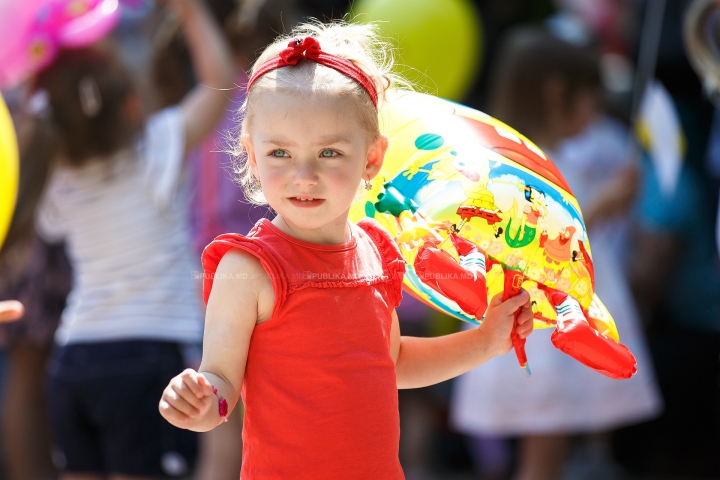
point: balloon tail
(519, 346)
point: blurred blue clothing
(713, 165)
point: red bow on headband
(309, 48)
(298, 48)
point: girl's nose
(306, 173)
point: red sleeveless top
(319, 389)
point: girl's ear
(376, 156)
(251, 160)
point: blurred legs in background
(542, 457)
(26, 433)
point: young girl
(301, 312)
(116, 196)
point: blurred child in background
(116, 197)
(549, 90)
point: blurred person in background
(115, 195)
(549, 90)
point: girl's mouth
(305, 202)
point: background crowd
(563, 73)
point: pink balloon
(34, 30)
(91, 26)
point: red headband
(309, 48)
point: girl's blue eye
(327, 153)
(279, 153)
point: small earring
(368, 185)
(256, 183)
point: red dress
(319, 389)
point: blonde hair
(360, 44)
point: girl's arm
(420, 362)
(212, 60)
(232, 311)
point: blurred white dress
(562, 395)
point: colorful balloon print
(478, 209)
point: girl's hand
(187, 399)
(500, 319)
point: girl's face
(311, 153)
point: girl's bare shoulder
(244, 279)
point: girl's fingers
(525, 323)
(174, 399)
(526, 315)
(196, 382)
(206, 387)
(511, 305)
(183, 391)
(525, 330)
(172, 414)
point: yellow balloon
(8, 169)
(439, 41)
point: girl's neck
(335, 233)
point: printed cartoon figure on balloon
(480, 202)
(557, 250)
(465, 200)
(532, 213)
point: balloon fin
(463, 284)
(575, 336)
